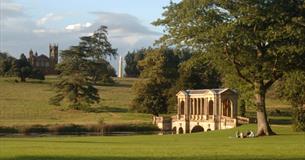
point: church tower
(53, 52)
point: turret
(31, 53)
(53, 52)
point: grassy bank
(27, 104)
(286, 145)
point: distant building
(202, 110)
(42, 62)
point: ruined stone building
(44, 63)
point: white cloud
(19, 32)
(78, 26)
(39, 31)
(47, 18)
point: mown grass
(27, 103)
(286, 145)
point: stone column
(178, 107)
(202, 109)
(191, 106)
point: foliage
(242, 108)
(6, 64)
(102, 71)
(37, 74)
(198, 73)
(159, 71)
(258, 40)
(81, 67)
(22, 68)
(132, 58)
(292, 88)
(97, 48)
(75, 85)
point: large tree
(159, 72)
(132, 58)
(259, 40)
(81, 67)
(22, 68)
(97, 49)
(75, 85)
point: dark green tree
(22, 68)
(6, 64)
(81, 67)
(75, 85)
(198, 73)
(257, 40)
(132, 58)
(159, 72)
(292, 88)
(97, 48)
(102, 71)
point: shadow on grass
(207, 157)
(280, 121)
(107, 109)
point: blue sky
(33, 24)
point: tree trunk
(22, 78)
(263, 127)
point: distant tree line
(10, 66)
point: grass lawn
(27, 103)
(286, 145)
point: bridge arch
(197, 128)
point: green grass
(286, 145)
(27, 103)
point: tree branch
(237, 66)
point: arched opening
(210, 107)
(197, 128)
(180, 130)
(174, 130)
(226, 110)
(182, 107)
(208, 130)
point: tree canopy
(257, 40)
(132, 58)
(81, 67)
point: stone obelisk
(120, 75)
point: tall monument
(120, 75)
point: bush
(8, 130)
(130, 128)
(38, 129)
(69, 129)
(299, 120)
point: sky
(33, 24)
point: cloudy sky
(33, 24)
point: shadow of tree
(101, 109)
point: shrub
(38, 129)
(8, 130)
(69, 129)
